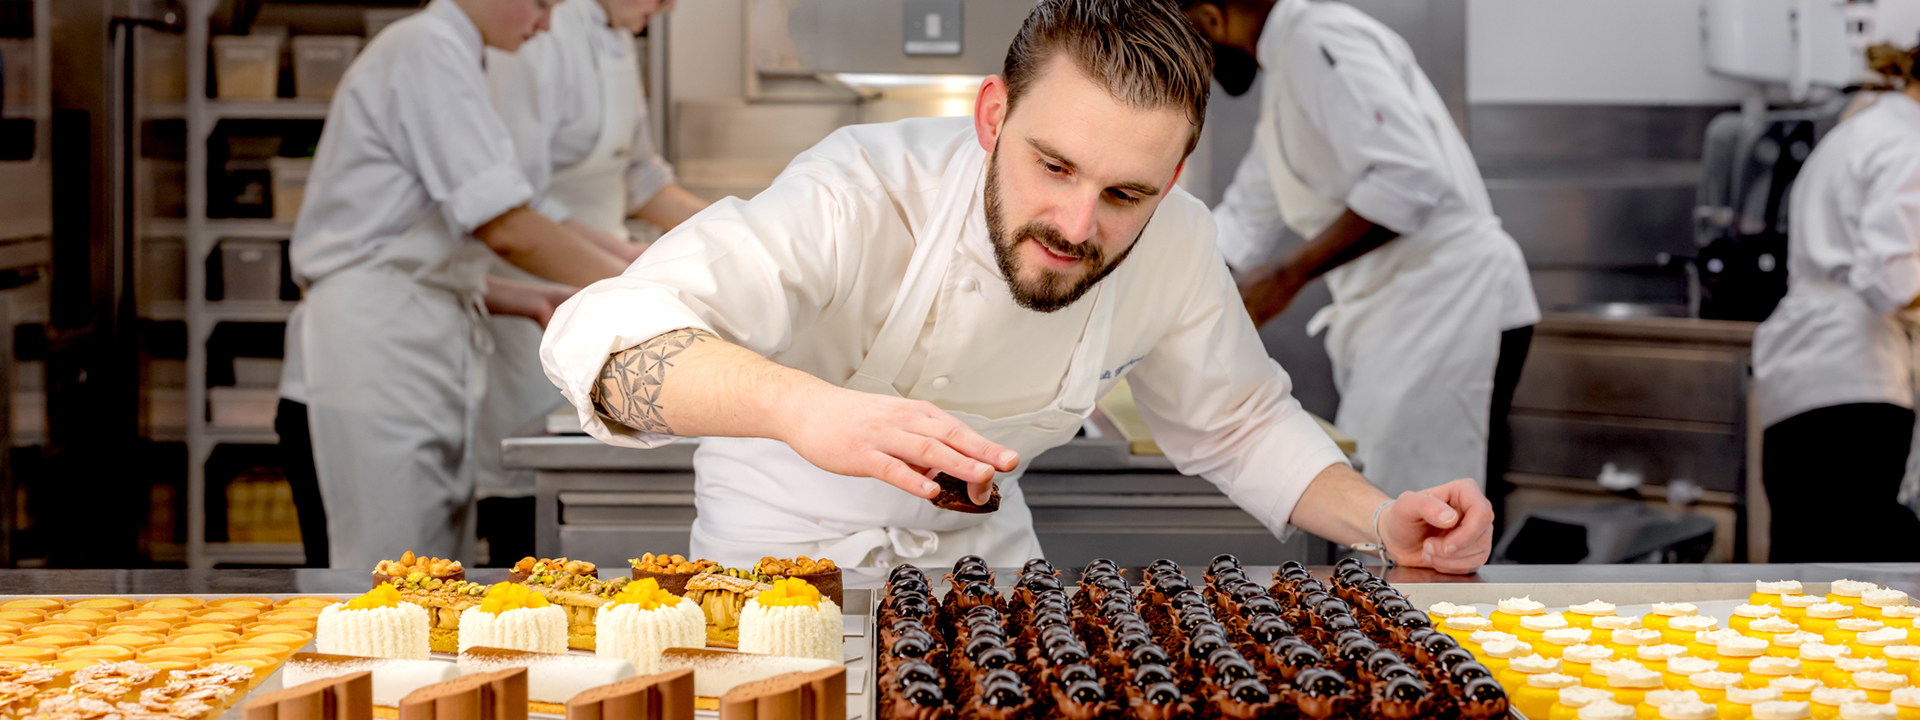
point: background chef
(1834, 364)
(573, 101)
(414, 188)
(939, 295)
(1432, 306)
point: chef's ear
(990, 112)
(1177, 169)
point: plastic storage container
(379, 19)
(163, 270)
(250, 269)
(289, 186)
(234, 407)
(256, 372)
(318, 63)
(247, 67)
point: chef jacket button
(940, 383)
(968, 284)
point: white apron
(520, 396)
(394, 352)
(1414, 331)
(758, 497)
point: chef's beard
(1052, 290)
(1234, 69)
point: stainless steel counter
(1090, 498)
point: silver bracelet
(1379, 544)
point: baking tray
(1556, 596)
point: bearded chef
(1834, 365)
(415, 187)
(951, 296)
(572, 99)
(1432, 307)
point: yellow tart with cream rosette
(1848, 592)
(1542, 690)
(1582, 615)
(1738, 703)
(1906, 702)
(1509, 611)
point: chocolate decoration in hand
(953, 496)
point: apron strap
(934, 243)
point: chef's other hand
(535, 301)
(1448, 528)
(1267, 293)
(898, 441)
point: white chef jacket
(806, 272)
(1853, 262)
(1377, 140)
(549, 95)
(412, 132)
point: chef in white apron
(572, 99)
(415, 187)
(1835, 364)
(902, 301)
(1432, 306)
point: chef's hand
(898, 441)
(536, 301)
(1267, 292)
(1448, 528)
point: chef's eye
(1122, 197)
(1053, 168)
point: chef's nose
(1077, 219)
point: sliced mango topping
(648, 594)
(380, 597)
(511, 596)
(790, 592)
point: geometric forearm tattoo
(628, 391)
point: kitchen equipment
(250, 269)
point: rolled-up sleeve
(1350, 90)
(446, 129)
(1248, 216)
(1888, 272)
(754, 273)
(1223, 410)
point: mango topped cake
(792, 619)
(580, 596)
(444, 600)
(514, 617)
(378, 624)
(643, 621)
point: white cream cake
(375, 625)
(637, 633)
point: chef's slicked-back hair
(1144, 52)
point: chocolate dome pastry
(1082, 700)
(1067, 654)
(1148, 655)
(909, 647)
(1483, 700)
(1151, 673)
(1392, 607)
(999, 695)
(1427, 648)
(917, 701)
(897, 572)
(1379, 660)
(965, 596)
(984, 627)
(994, 658)
(1264, 629)
(1451, 658)
(970, 653)
(1244, 700)
(1298, 659)
(953, 496)
(1228, 667)
(1264, 605)
(1321, 693)
(909, 671)
(1158, 701)
(1203, 646)
(906, 606)
(1463, 675)
(1067, 674)
(970, 572)
(1038, 565)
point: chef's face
(506, 24)
(632, 15)
(1074, 176)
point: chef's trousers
(296, 458)
(1506, 376)
(1832, 475)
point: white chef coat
(550, 94)
(808, 271)
(1349, 121)
(1853, 262)
(388, 348)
